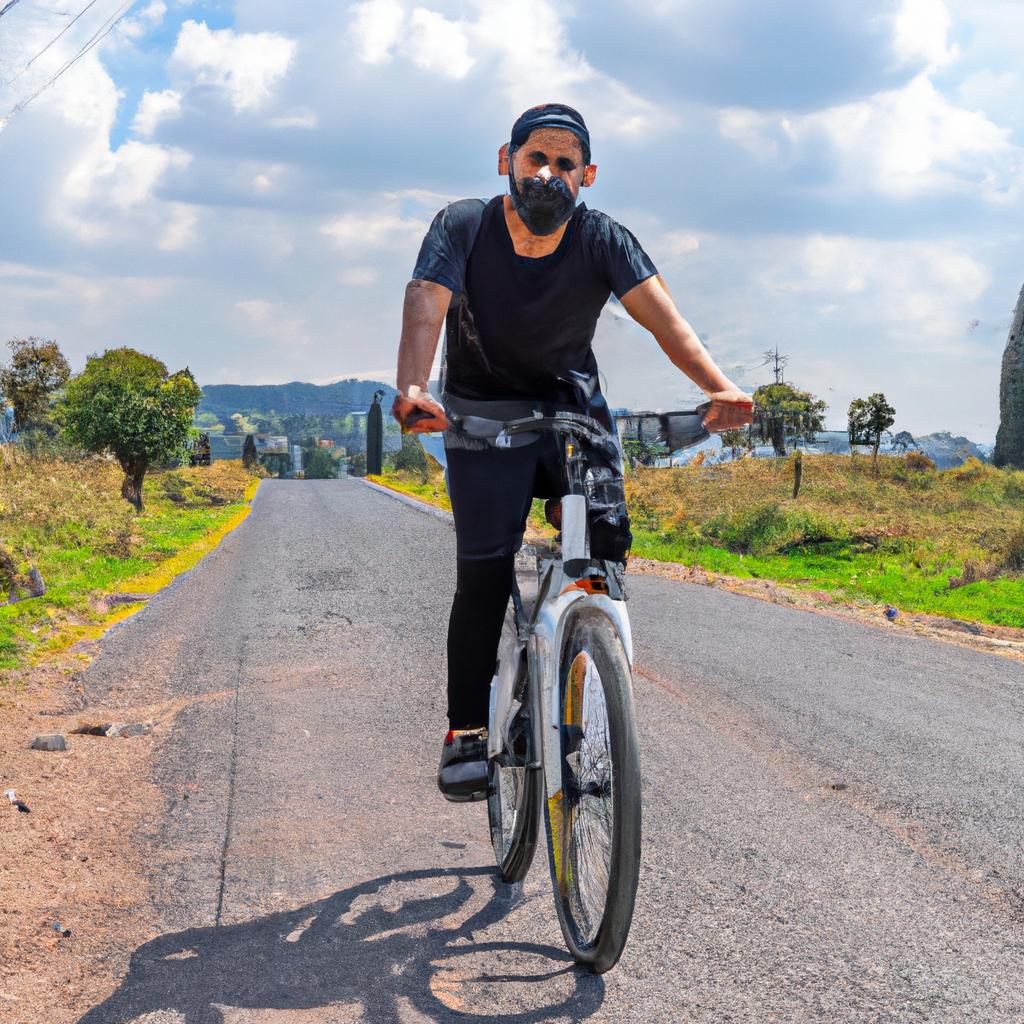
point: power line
(51, 42)
(6, 7)
(97, 37)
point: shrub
(1013, 550)
(763, 528)
(918, 461)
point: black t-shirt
(516, 322)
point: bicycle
(561, 735)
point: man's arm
(422, 315)
(651, 306)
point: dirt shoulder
(72, 868)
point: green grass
(897, 536)
(69, 521)
(880, 577)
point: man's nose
(545, 172)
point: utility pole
(772, 356)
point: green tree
(357, 464)
(736, 441)
(783, 412)
(318, 465)
(868, 418)
(249, 452)
(36, 372)
(126, 403)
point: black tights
(482, 590)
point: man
(520, 281)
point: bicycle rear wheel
(593, 822)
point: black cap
(552, 115)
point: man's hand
(730, 409)
(418, 413)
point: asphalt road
(833, 813)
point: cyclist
(520, 281)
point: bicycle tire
(593, 822)
(514, 792)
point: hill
(296, 398)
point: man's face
(551, 151)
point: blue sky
(241, 187)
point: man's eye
(565, 164)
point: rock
(1010, 436)
(53, 741)
(128, 729)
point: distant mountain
(294, 399)
(947, 451)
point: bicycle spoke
(588, 810)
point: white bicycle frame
(542, 638)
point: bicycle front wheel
(593, 821)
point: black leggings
(491, 493)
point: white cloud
(271, 320)
(901, 142)
(247, 65)
(301, 117)
(920, 29)
(358, 276)
(679, 243)
(155, 107)
(180, 231)
(436, 44)
(493, 39)
(148, 18)
(105, 182)
(355, 232)
(922, 291)
(376, 27)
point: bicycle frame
(559, 595)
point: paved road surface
(833, 813)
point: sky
(241, 187)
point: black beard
(542, 206)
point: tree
(357, 464)
(783, 411)
(868, 418)
(126, 403)
(736, 441)
(249, 452)
(319, 465)
(37, 370)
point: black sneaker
(462, 774)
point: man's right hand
(418, 413)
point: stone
(128, 729)
(1009, 449)
(53, 741)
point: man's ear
(503, 161)
(589, 175)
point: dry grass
(69, 521)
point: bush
(918, 461)
(1013, 551)
(765, 528)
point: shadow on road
(400, 938)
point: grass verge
(69, 521)
(947, 543)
